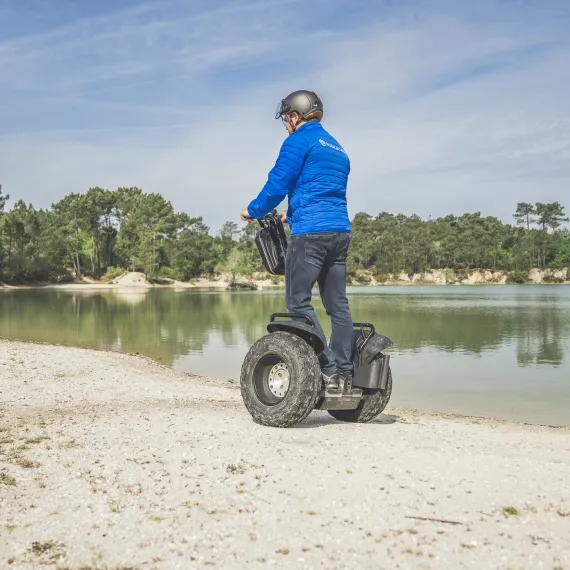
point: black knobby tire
(304, 372)
(369, 407)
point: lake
(498, 351)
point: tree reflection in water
(165, 324)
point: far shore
(109, 460)
(136, 280)
(261, 282)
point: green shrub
(549, 278)
(277, 279)
(449, 275)
(65, 278)
(381, 276)
(363, 278)
(516, 276)
(113, 273)
(169, 273)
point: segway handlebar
(363, 340)
(272, 217)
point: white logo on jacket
(325, 143)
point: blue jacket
(312, 170)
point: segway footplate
(340, 401)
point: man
(312, 171)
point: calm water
(501, 351)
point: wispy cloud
(442, 106)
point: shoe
(332, 381)
(345, 381)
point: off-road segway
(281, 380)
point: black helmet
(306, 103)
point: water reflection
(540, 329)
(165, 325)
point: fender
(297, 324)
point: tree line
(102, 233)
(391, 243)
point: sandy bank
(109, 460)
(136, 281)
(130, 281)
(464, 277)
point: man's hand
(244, 215)
(283, 215)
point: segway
(281, 380)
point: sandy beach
(112, 461)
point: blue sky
(442, 106)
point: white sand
(117, 462)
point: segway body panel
(370, 364)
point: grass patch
(27, 463)
(5, 479)
(10, 527)
(98, 556)
(413, 552)
(49, 551)
(510, 511)
(42, 547)
(33, 440)
(237, 468)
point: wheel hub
(278, 380)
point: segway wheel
(280, 380)
(370, 407)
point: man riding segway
(312, 171)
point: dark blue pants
(321, 258)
